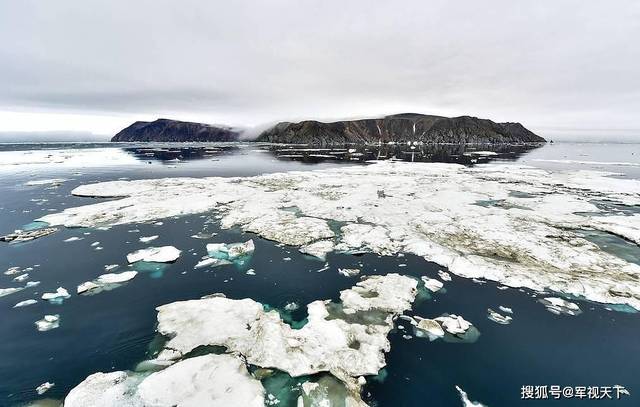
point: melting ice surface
(321, 227)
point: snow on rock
(347, 339)
(209, 380)
(164, 254)
(48, 322)
(508, 223)
(560, 306)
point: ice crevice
(529, 240)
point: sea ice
(347, 339)
(431, 327)
(432, 284)
(498, 318)
(106, 282)
(60, 294)
(349, 272)
(148, 239)
(209, 380)
(560, 306)
(25, 303)
(27, 235)
(454, 324)
(431, 210)
(44, 387)
(465, 399)
(164, 254)
(230, 251)
(48, 322)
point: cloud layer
(550, 64)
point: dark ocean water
(113, 330)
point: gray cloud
(550, 64)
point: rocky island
(394, 128)
(174, 130)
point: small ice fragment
(560, 306)
(164, 254)
(251, 272)
(444, 275)
(148, 239)
(432, 284)
(86, 286)
(110, 267)
(95, 244)
(72, 239)
(48, 323)
(60, 293)
(349, 272)
(465, 399)
(209, 261)
(116, 278)
(21, 278)
(12, 270)
(44, 387)
(505, 309)
(291, 306)
(25, 303)
(498, 318)
(432, 327)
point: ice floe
(230, 251)
(498, 318)
(465, 399)
(209, 380)
(48, 322)
(44, 387)
(27, 235)
(454, 324)
(106, 282)
(432, 284)
(466, 219)
(164, 254)
(52, 182)
(347, 339)
(147, 239)
(25, 303)
(349, 272)
(60, 294)
(560, 306)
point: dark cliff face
(173, 130)
(401, 128)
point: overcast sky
(559, 67)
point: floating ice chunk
(48, 323)
(209, 380)
(444, 275)
(87, 286)
(432, 284)
(498, 318)
(560, 306)
(25, 303)
(324, 344)
(349, 272)
(291, 306)
(251, 272)
(465, 399)
(505, 309)
(21, 278)
(110, 267)
(230, 251)
(44, 387)
(148, 239)
(454, 324)
(164, 254)
(52, 181)
(27, 235)
(318, 249)
(73, 239)
(60, 294)
(95, 244)
(431, 327)
(115, 278)
(106, 282)
(12, 270)
(211, 262)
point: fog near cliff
(559, 67)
